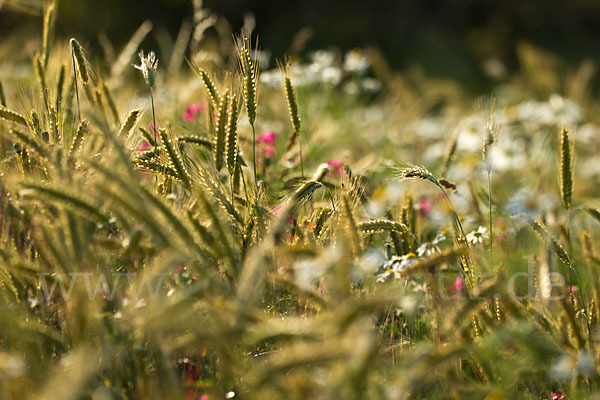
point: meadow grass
(133, 265)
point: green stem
(153, 115)
(254, 156)
(301, 159)
(490, 212)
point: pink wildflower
(267, 137)
(191, 111)
(336, 165)
(459, 284)
(144, 146)
(269, 151)
(425, 205)
(560, 395)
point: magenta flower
(459, 284)
(144, 146)
(336, 165)
(269, 151)
(425, 205)
(191, 111)
(267, 137)
(560, 395)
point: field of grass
(218, 227)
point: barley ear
(58, 91)
(249, 66)
(53, 122)
(48, 34)
(35, 124)
(232, 139)
(81, 62)
(175, 159)
(40, 75)
(211, 89)
(292, 103)
(566, 169)
(13, 116)
(129, 122)
(77, 139)
(219, 134)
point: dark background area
(448, 38)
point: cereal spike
(249, 66)
(219, 135)
(12, 116)
(81, 62)
(49, 19)
(58, 92)
(211, 89)
(232, 139)
(129, 122)
(78, 139)
(175, 159)
(566, 170)
(40, 75)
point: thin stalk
(301, 158)
(233, 206)
(490, 212)
(572, 271)
(153, 114)
(75, 81)
(245, 189)
(254, 156)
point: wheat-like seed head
(382, 225)
(220, 124)
(175, 159)
(58, 91)
(290, 96)
(49, 18)
(53, 123)
(450, 153)
(417, 172)
(249, 66)
(148, 66)
(129, 122)
(35, 124)
(490, 138)
(78, 139)
(40, 75)
(565, 169)
(81, 61)
(232, 137)
(211, 89)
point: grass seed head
(148, 66)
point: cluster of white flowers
(429, 248)
(477, 237)
(325, 67)
(396, 265)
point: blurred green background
(450, 38)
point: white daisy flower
(476, 237)
(429, 248)
(396, 265)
